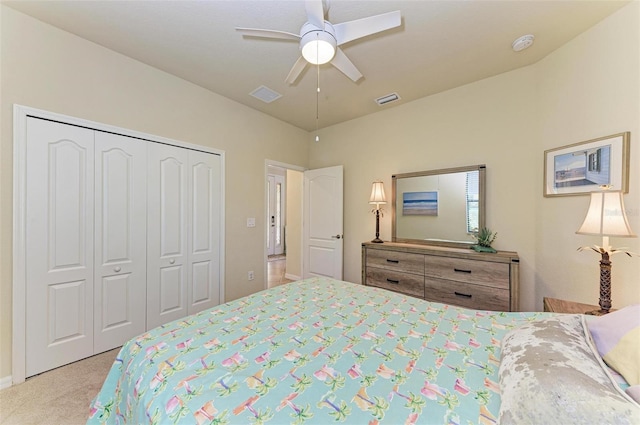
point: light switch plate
(251, 222)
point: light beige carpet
(60, 396)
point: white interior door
(120, 239)
(275, 217)
(322, 222)
(59, 245)
(167, 230)
(205, 194)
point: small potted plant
(484, 238)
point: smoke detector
(522, 43)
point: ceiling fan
(320, 39)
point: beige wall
(49, 69)
(486, 122)
(589, 88)
(295, 181)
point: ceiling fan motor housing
(318, 46)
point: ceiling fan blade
(352, 30)
(315, 12)
(344, 65)
(296, 70)
(255, 32)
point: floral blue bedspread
(317, 351)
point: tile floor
(276, 269)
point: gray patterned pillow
(549, 374)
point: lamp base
(605, 286)
(597, 312)
(377, 239)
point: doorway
(283, 236)
(275, 212)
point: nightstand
(555, 305)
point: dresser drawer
(466, 295)
(395, 260)
(406, 283)
(486, 273)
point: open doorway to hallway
(283, 239)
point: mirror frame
(481, 203)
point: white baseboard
(5, 382)
(292, 276)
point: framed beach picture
(583, 167)
(420, 203)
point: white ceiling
(440, 45)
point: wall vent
(387, 99)
(265, 94)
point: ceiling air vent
(265, 94)
(387, 99)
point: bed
(320, 351)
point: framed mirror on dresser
(438, 207)
(435, 214)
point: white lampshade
(606, 216)
(377, 194)
(318, 47)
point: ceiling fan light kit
(318, 46)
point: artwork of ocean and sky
(420, 203)
(582, 167)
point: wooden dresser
(455, 276)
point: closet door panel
(167, 219)
(121, 220)
(204, 236)
(59, 245)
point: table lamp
(377, 198)
(606, 217)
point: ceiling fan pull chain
(317, 94)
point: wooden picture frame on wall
(581, 168)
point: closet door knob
(117, 269)
(173, 260)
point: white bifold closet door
(183, 269)
(86, 242)
(203, 244)
(59, 244)
(120, 236)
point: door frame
(267, 163)
(20, 115)
(276, 178)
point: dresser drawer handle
(460, 294)
(461, 271)
(393, 261)
(395, 282)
